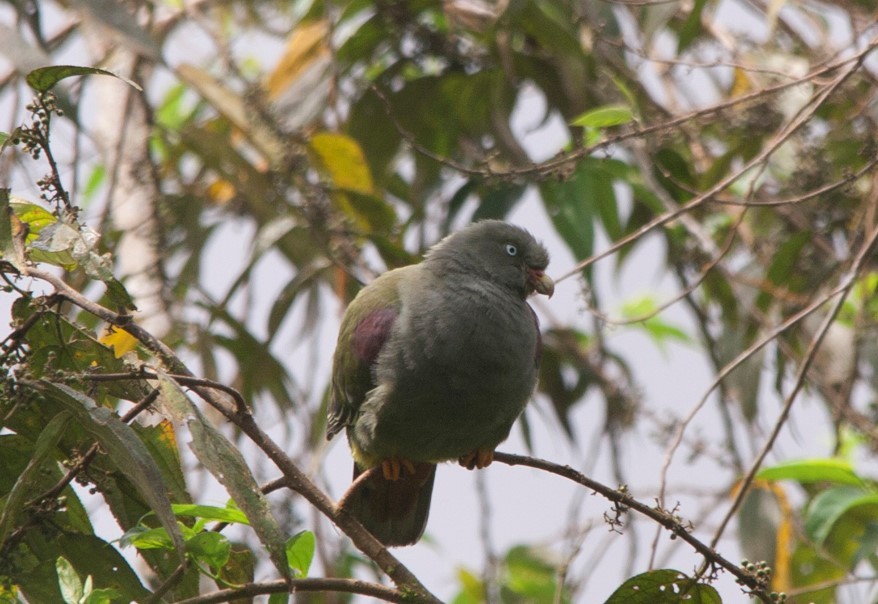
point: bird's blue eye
(511, 249)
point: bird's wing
(365, 328)
(538, 349)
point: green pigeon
(434, 362)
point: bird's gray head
(496, 251)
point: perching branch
(624, 501)
(350, 586)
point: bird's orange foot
(393, 468)
(480, 458)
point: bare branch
(841, 292)
(350, 586)
(667, 519)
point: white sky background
(526, 506)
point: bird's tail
(395, 511)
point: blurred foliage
(731, 142)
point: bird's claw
(480, 458)
(392, 469)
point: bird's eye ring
(511, 249)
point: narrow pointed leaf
(210, 512)
(225, 462)
(32, 475)
(44, 79)
(123, 448)
(813, 470)
(605, 116)
(10, 248)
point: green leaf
(209, 512)
(210, 548)
(98, 559)
(691, 27)
(530, 576)
(117, 293)
(658, 329)
(68, 581)
(10, 250)
(497, 201)
(279, 598)
(161, 441)
(569, 205)
(57, 344)
(241, 567)
(810, 567)
(782, 271)
(55, 244)
(71, 245)
(300, 552)
(664, 586)
(225, 462)
(472, 589)
(605, 117)
(868, 543)
(813, 470)
(123, 448)
(95, 179)
(828, 507)
(44, 79)
(369, 212)
(146, 538)
(36, 217)
(32, 474)
(105, 595)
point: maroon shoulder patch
(371, 333)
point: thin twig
(842, 292)
(665, 518)
(801, 118)
(184, 380)
(557, 163)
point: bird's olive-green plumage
(435, 361)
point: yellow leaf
(781, 578)
(221, 192)
(168, 435)
(741, 84)
(307, 43)
(341, 160)
(119, 340)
